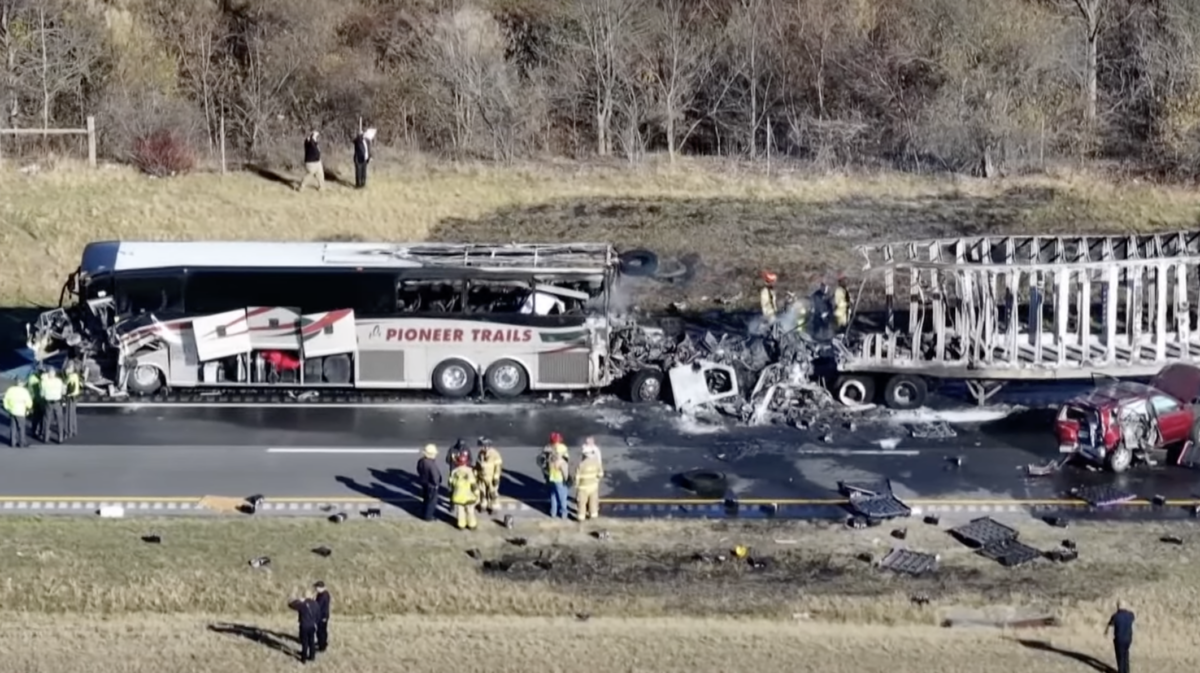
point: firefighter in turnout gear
(841, 304)
(464, 493)
(587, 483)
(53, 390)
(766, 296)
(17, 404)
(459, 449)
(70, 406)
(556, 447)
(487, 468)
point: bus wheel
(454, 378)
(506, 378)
(144, 380)
(646, 386)
(854, 390)
(905, 391)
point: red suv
(1118, 423)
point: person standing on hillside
(313, 168)
(362, 157)
(307, 610)
(1121, 625)
(322, 602)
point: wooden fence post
(91, 140)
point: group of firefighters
(821, 304)
(46, 400)
(475, 485)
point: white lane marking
(454, 408)
(858, 452)
(315, 449)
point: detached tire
(454, 378)
(646, 386)
(854, 389)
(638, 263)
(905, 391)
(705, 483)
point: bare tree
(747, 35)
(51, 52)
(680, 57)
(608, 30)
(1091, 13)
(10, 37)
(196, 37)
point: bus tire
(454, 378)
(854, 389)
(638, 263)
(646, 386)
(144, 380)
(336, 369)
(506, 379)
(905, 391)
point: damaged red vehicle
(1121, 422)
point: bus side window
(429, 296)
(501, 297)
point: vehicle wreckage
(148, 318)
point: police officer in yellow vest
(464, 493)
(587, 483)
(53, 390)
(34, 385)
(70, 405)
(841, 304)
(488, 464)
(17, 404)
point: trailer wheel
(336, 369)
(454, 378)
(144, 380)
(905, 391)
(854, 389)
(1119, 459)
(506, 378)
(646, 386)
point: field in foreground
(737, 221)
(653, 596)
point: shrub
(163, 154)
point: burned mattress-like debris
(909, 562)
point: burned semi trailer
(995, 309)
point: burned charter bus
(152, 316)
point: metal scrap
(935, 430)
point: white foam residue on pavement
(887, 444)
(949, 416)
(612, 418)
(690, 425)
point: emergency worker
(589, 444)
(429, 475)
(34, 385)
(841, 304)
(309, 613)
(71, 402)
(558, 476)
(53, 390)
(18, 403)
(459, 448)
(464, 493)
(556, 447)
(587, 483)
(488, 464)
(766, 296)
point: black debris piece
(982, 532)
(1194, 511)
(866, 557)
(900, 533)
(500, 566)
(920, 599)
(1171, 539)
(372, 513)
(1062, 555)
(933, 520)
(856, 522)
(1056, 521)
(324, 552)
(955, 461)
(326, 508)
(1009, 553)
(601, 535)
(253, 503)
(1068, 544)
(509, 521)
(1159, 500)
(517, 541)
(337, 518)
(874, 523)
(1101, 496)
(909, 562)
(475, 554)
(758, 563)
(152, 539)
(582, 616)
(850, 489)
(260, 562)
(543, 564)
(879, 507)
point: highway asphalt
(331, 454)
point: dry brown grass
(737, 220)
(152, 644)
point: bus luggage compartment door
(330, 333)
(221, 335)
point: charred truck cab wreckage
(146, 317)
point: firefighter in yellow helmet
(766, 296)
(488, 464)
(841, 304)
(587, 482)
(464, 493)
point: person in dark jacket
(322, 601)
(307, 610)
(362, 157)
(313, 168)
(1121, 624)
(429, 475)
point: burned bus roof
(117, 256)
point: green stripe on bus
(561, 337)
